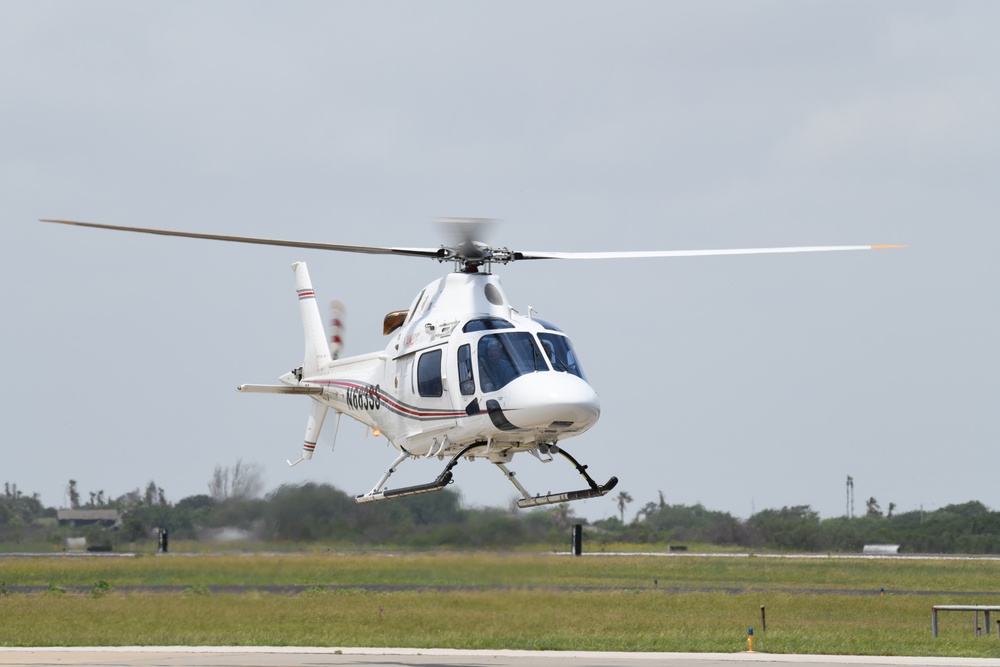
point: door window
(429, 374)
(466, 380)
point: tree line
(319, 513)
(961, 528)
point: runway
(238, 656)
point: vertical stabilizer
(317, 355)
(317, 413)
(316, 416)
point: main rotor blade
(434, 253)
(469, 250)
(640, 254)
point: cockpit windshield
(561, 355)
(505, 356)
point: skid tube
(595, 491)
(442, 480)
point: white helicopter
(464, 375)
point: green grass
(519, 570)
(511, 601)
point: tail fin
(317, 413)
(317, 355)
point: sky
(741, 383)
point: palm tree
(873, 507)
(562, 515)
(623, 499)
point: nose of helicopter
(551, 400)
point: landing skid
(445, 478)
(595, 490)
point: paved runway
(386, 657)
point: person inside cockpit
(495, 368)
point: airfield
(384, 657)
(555, 609)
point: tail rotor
(337, 312)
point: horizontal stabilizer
(278, 389)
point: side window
(560, 353)
(466, 381)
(429, 374)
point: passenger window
(466, 380)
(429, 374)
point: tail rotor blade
(337, 312)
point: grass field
(486, 600)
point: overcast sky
(742, 383)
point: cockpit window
(505, 356)
(487, 324)
(547, 325)
(560, 353)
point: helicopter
(463, 375)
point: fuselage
(464, 368)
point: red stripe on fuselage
(389, 401)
